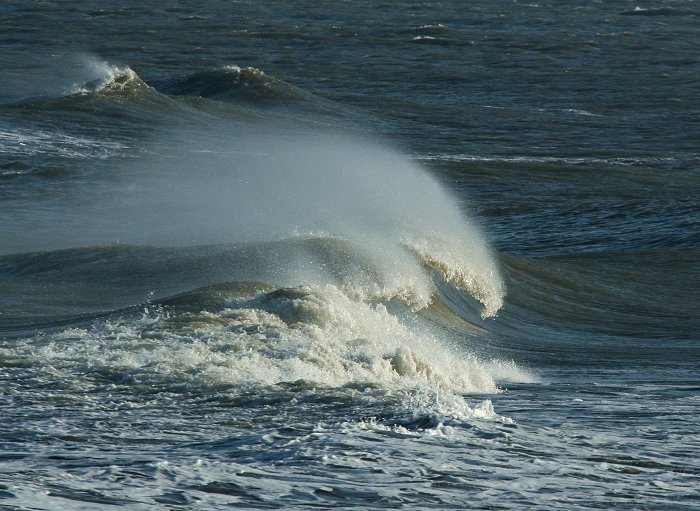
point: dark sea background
(371, 255)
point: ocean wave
(135, 316)
(197, 278)
(96, 86)
(384, 208)
(635, 295)
(49, 77)
(234, 83)
(78, 75)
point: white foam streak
(568, 160)
(32, 142)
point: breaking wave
(257, 255)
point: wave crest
(231, 83)
(460, 268)
(111, 78)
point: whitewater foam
(305, 334)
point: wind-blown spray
(263, 184)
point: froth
(287, 335)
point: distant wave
(246, 88)
(100, 81)
(234, 83)
(49, 77)
(658, 11)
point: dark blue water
(305, 255)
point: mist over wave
(336, 239)
(262, 184)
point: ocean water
(370, 255)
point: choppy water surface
(349, 255)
